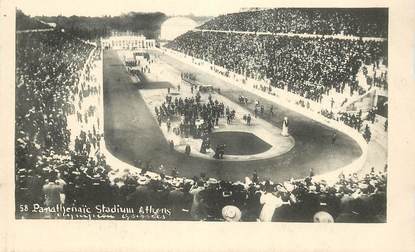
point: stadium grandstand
(64, 171)
(371, 22)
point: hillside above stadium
(24, 22)
(147, 24)
(359, 22)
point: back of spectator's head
(52, 176)
(269, 188)
(200, 183)
(186, 187)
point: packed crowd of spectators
(50, 73)
(47, 69)
(356, 22)
(351, 198)
(308, 67)
(50, 172)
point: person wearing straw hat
(323, 217)
(231, 213)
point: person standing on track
(333, 138)
(171, 145)
(168, 125)
(187, 150)
(285, 127)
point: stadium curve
(127, 150)
(353, 167)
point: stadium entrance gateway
(128, 42)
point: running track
(131, 133)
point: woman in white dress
(284, 131)
(270, 202)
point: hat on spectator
(212, 181)
(231, 213)
(323, 217)
(143, 180)
(248, 181)
(312, 188)
(288, 186)
(279, 187)
(177, 183)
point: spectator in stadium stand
(333, 63)
(323, 217)
(180, 201)
(269, 203)
(355, 22)
(255, 179)
(198, 209)
(35, 187)
(52, 191)
(174, 173)
(231, 213)
(140, 196)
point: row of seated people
(350, 198)
(355, 22)
(306, 66)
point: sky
(116, 7)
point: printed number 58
(23, 208)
